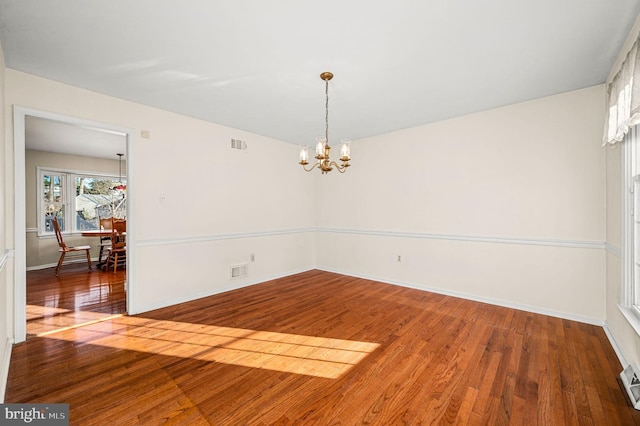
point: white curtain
(624, 98)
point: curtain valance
(623, 94)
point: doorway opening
(84, 156)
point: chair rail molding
(218, 237)
(4, 258)
(597, 245)
(614, 250)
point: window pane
(633, 149)
(53, 200)
(95, 199)
(636, 233)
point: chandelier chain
(326, 112)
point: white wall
(221, 205)
(506, 205)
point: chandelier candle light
(322, 147)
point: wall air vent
(631, 381)
(238, 271)
(238, 144)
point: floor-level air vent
(238, 144)
(238, 271)
(631, 381)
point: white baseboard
(53, 265)
(4, 367)
(475, 298)
(616, 347)
(612, 339)
(191, 297)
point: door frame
(20, 269)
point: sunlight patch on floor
(36, 311)
(291, 353)
(43, 320)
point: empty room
(181, 244)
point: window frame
(630, 292)
(68, 201)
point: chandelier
(120, 186)
(323, 149)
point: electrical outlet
(253, 257)
(399, 258)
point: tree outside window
(79, 201)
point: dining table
(96, 233)
(101, 233)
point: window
(631, 244)
(78, 200)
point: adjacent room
(79, 172)
(181, 244)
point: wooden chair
(64, 249)
(117, 253)
(105, 242)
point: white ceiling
(42, 134)
(255, 64)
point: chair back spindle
(118, 251)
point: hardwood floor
(75, 297)
(321, 348)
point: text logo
(34, 414)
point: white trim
(5, 361)
(192, 297)
(129, 285)
(475, 298)
(611, 249)
(20, 238)
(5, 257)
(627, 251)
(52, 236)
(632, 317)
(66, 262)
(218, 237)
(630, 211)
(598, 245)
(616, 347)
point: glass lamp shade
(345, 150)
(304, 154)
(320, 146)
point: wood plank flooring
(77, 296)
(319, 348)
